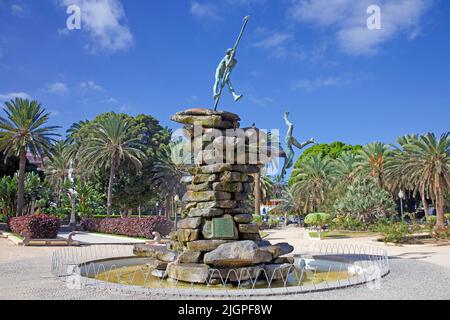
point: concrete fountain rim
(355, 280)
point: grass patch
(263, 234)
(314, 234)
(341, 234)
(118, 236)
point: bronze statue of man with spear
(224, 70)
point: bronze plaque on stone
(224, 228)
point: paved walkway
(93, 238)
(432, 254)
(416, 273)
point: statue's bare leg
(216, 86)
(300, 145)
(236, 96)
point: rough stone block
(249, 228)
(227, 186)
(243, 218)
(237, 254)
(190, 257)
(205, 186)
(230, 176)
(202, 178)
(190, 273)
(186, 235)
(205, 196)
(156, 264)
(205, 245)
(190, 223)
(206, 213)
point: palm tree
(77, 134)
(168, 170)
(32, 188)
(109, 145)
(8, 195)
(396, 177)
(314, 182)
(427, 165)
(58, 166)
(267, 188)
(344, 168)
(371, 160)
(23, 130)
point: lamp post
(401, 195)
(177, 199)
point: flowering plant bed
(130, 227)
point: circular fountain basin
(307, 274)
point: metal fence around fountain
(363, 264)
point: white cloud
(105, 22)
(276, 43)
(55, 113)
(309, 85)
(58, 88)
(13, 95)
(16, 8)
(245, 2)
(192, 99)
(348, 20)
(273, 41)
(124, 108)
(90, 85)
(262, 102)
(203, 10)
(109, 101)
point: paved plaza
(416, 273)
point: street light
(177, 199)
(401, 195)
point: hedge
(130, 227)
(36, 226)
(318, 219)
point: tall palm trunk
(257, 191)
(110, 185)
(73, 212)
(440, 208)
(424, 201)
(33, 204)
(21, 186)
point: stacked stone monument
(216, 234)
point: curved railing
(81, 267)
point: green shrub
(380, 225)
(273, 223)
(3, 218)
(318, 219)
(396, 232)
(365, 201)
(442, 234)
(447, 217)
(257, 219)
(342, 222)
(431, 223)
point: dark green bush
(343, 222)
(318, 219)
(3, 218)
(398, 232)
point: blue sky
(315, 58)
